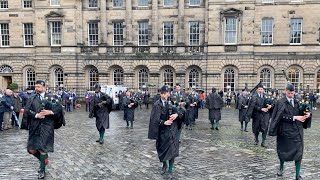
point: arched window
(6, 69)
(194, 78)
(30, 77)
(229, 80)
(168, 77)
(143, 77)
(294, 77)
(318, 80)
(58, 77)
(93, 77)
(265, 77)
(118, 76)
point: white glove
(11, 107)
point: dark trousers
(13, 122)
(1, 120)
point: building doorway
(5, 81)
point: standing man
(146, 96)
(101, 106)
(129, 105)
(179, 100)
(16, 108)
(1, 109)
(242, 106)
(164, 129)
(288, 122)
(260, 115)
(214, 103)
(42, 115)
(8, 108)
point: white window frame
(194, 33)
(143, 74)
(262, 25)
(291, 29)
(115, 33)
(24, 35)
(167, 73)
(263, 75)
(113, 4)
(30, 81)
(58, 1)
(90, 42)
(268, 1)
(4, 35)
(118, 73)
(299, 79)
(145, 34)
(169, 40)
(195, 4)
(58, 76)
(297, 1)
(23, 1)
(93, 77)
(225, 30)
(94, 7)
(229, 71)
(51, 33)
(143, 5)
(4, 1)
(194, 78)
(168, 5)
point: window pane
(143, 78)
(266, 31)
(194, 78)
(58, 77)
(117, 3)
(54, 2)
(143, 34)
(294, 77)
(55, 33)
(6, 69)
(118, 77)
(28, 34)
(93, 34)
(167, 2)
(229, 79)
(194, 34)
(30, 77)
(118, 34)
(265, 77)
(195, 2)
(93, 77)
(27, 3)
(168, 77)
(93, 3)
(168, 33)
(295, 31)
(142, 2)
(3, 4)
(4, 34)
(230, 30)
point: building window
(93, 77)
(93, 34)
(143, 34)
(143, 3)
(168, 33)
(167, 2)
(294, 77)
(54, 2)
(93, 3)
(4, 35)
(265, 77)
(30, 77)
(267, 31)
(143, 78)
(168, 77)
(27, 3)
(194, 33)
(117, 3)
(194, 78)
(318, 81)
(4, 4)
(229, 80)
(118, 34)
(55, 30)
(230, 36)
(6, 69)
(295, 31)
(195, 2)
(58, 77)
(28, 34)
(118, 76)
(267, 1)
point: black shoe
(245, 130)
(170, 176)
(42, 174)
(179, 141)
(131, 127)
(127, 127)
(299, 178)
(98, 140)
(212, 128)
(217, 128)
(263, 145)
(280, 172)
(241, 129)
(164, 169)
(101, 141)
(1, 129)
(256, 142)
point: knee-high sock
(281, 164)
(131, 122)
(298, 167)
(256, 137)
(171, 162)
(164, 164)
(212, 123)
(217, 123)
(245, 125)
(241, 125)
(43, 161)
(127, 123)
(179, 133)
(102, 130)
(37, 155)
(264, 137)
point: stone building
(200, 43)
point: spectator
(87, 97)
(201, 99)
(16, 108)
(1, 109)
(8, 108)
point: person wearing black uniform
(163, 127)
(178, 98)
(42, 115)
(214, 103)
(129, 105)
(242, 106)
(101, 106)
(288, 122)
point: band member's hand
(269, 106)
(168, 122)
(46, 112)
(173, 117)
(307, 114)
(300, 118)
(129, 106)
(192, 105)
(100, 105)
(90, 115)
(264, 109)
(40, 116)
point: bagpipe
(304, 104)
(135, 100)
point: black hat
(97, 85)
(243, 90)
(164, 89)
(177, 84)
(271, 90)
(41, 82)
(290, 87)
(260, 85)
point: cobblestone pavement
(128, 154)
